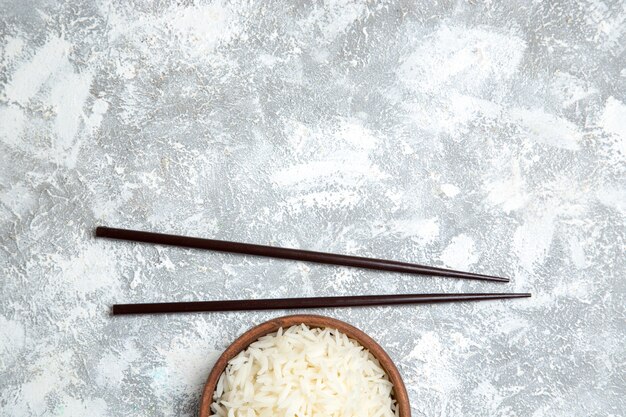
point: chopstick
(287, 253)
(312, 302)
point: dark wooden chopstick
(287, 253)
(299, 303)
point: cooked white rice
(304, 372)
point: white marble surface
(484, 136)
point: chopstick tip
(100, 231)
(520, 295)
(499, 279)
(483, 277)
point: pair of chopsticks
(298, 255)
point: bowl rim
(311, 320)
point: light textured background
(489, 137)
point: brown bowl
(273, 325)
